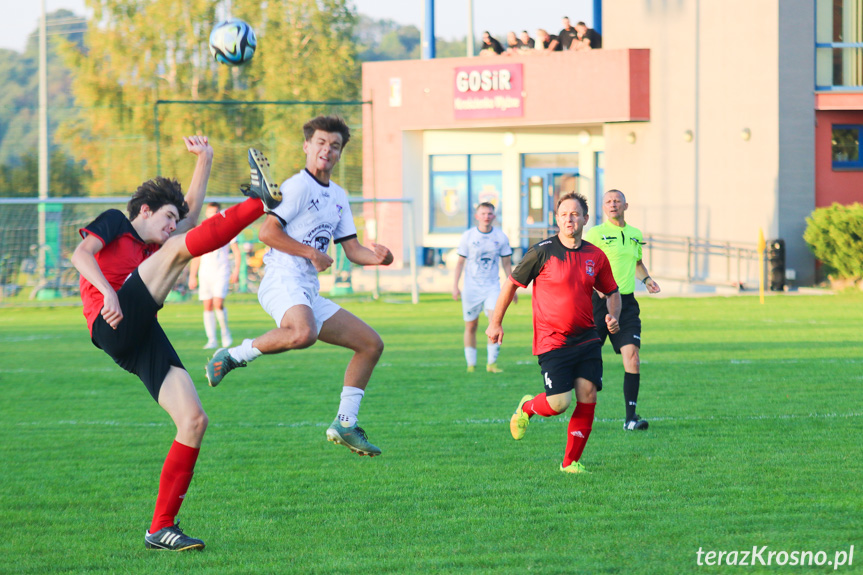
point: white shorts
(280, 292)
(473, 302)
(213, 286)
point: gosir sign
(490, 91)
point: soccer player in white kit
(212, 275)
(481, 250)
(314, 213)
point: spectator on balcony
(547, 42)
(490, 46)
(527, 42)
(512, 43)
(567, 35)
(588, 38)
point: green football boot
(353, 437)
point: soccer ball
(233, 42)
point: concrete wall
(796, 186)
(714, 74)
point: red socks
(173, 484)
(217, 231)
(580, 425)
(539, 406)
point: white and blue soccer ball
(233, 42)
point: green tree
(142, 52)
(67, 177)
(835, 235)
(19, 99)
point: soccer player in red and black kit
(128, 267)
(564, 270)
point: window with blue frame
(838, 44)
(846, 147)
(458, 184)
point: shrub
(835, 235)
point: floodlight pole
(43, 136)
(428, 36)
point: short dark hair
(216, 205)
(622, 195)
(572, 196)
(581, 24)
(156, 193)
(484, 205)
(330, 124)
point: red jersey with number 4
(123, 252)
(563, 281)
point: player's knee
(559, 402)
(375, 345)
(587, 394)
(195, 424)
(297, 337)
(176, 248)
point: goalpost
(30, 271)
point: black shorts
(562, 366)
(139, 344)
(629, 320)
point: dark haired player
(622, 245)
(128, 267)
(315, 212)
(564, 270)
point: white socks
(350, 405)
(470, 356)
(493, 351)
(245, 351)
(222, 317)
(210, 325)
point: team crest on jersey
(589, 268)
(340, 208)
(314, 204)
(319, 237)
(322, 243)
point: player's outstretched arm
(273, 234)
(495, 322)
(200, 146)
(84, 260)
(379, 255)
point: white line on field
(495, 421)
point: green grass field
(755, 413)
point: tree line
(103, 84)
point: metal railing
(694, 261)
(739, 260)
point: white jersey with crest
(312, 214)
(482, 252)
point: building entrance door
(541, 187)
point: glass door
(541, 189)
